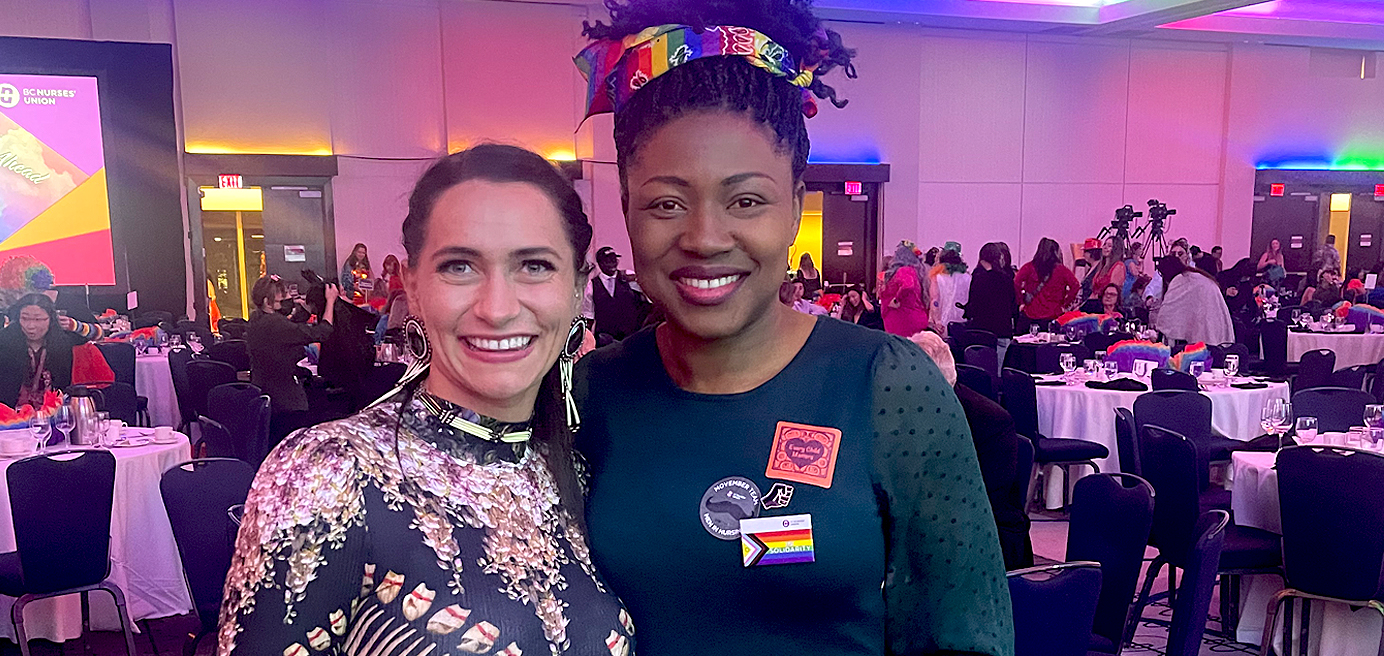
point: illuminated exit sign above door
(230, 181)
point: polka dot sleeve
(944, 587)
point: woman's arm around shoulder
(301, 551)
(944, 587)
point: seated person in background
(1327, 291)
(1355, 292)
(1110, 300)
(1237, 284)
(791, 294)
(997, 448)
(276, 345)
(35, 352)
(856, 308)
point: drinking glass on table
(1306, 430)
(1275, 418)
(1374, 416)
(1068, 362)
(1112, 369)
(41, 427)
(64, 420)
(1232, 364)
(1356, 437)
(1033, 330)
(1196, 369)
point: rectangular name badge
(776, 540)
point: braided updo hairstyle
(726, 83)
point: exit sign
(1378, 191)
(1276, 189)
(230, 181)
(853, 189)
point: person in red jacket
(1045, 286)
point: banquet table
(1339, 630)
(1080, 412)
(144, 557)
(1350, 348)
(153, 381)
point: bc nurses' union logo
(9, 96)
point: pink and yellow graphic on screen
(53, 202)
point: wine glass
(1196, 369)
(41, 428)
(1232, 364)
(64, 420)
(1285, 421)
(1068, 362)
(1033, 330)
(1276, 413)
(1374, 416)
(1306, 430)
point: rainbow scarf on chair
(1197, 352)
(1129, 351)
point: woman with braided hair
(761, 479)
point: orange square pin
(804, 454)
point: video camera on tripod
(1120, 224)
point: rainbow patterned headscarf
(614, 70)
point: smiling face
(495, 285)
(34, 322)
(712, 209)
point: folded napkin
(1249, 385)
(1049, 383)
(1119, 384)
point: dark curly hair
(726, 83)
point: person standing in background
(951, 287)
(356, 278)
(276, 345)
(1044, 286)
(810, 277)
(1085, 268)
(612, 301)
(1328, 258)
(991, 301)
(904, 300)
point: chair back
(178, 359)
(232, 327)
(1164, 378)
(955, 328)
(1315, 369)
(1377, 383)
(1053, 608)
(1111, 516)
(1331, 501)
(153, 318)
(61, 507)
(1097, 342)
(121, 358)
(1023, 472)
(976, 337)
(1127, 441)
(977, 379)
(1020, 398)
(120, 400)
(234, 352)
(202, 376)
(243, 410)
(197, 495)
(1273, 335)
(1170, 465)
(217, 439)
(1350, 377)
(984, 357)
(1186, 413)
(188, 328)
(1193, 601)
(1219, 352)
(1336, 408)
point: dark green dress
(905, 558)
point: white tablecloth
(1351, 349)
(1077, 411)
(144, 557)
(1338, 631)
(152, 380)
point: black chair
(243, 410)
(1170, 464)
(381, 379)
(178, 360)
(121, 358)
(1377, 382)
(1053, 608)
(1315, 369)
(1049, 357)
(984, 357)
(1110, 521)
(1188, 413)
(234, 352)
(202, 376)
(232, 327)
(186, 329)
(1336, 408)
(197, 495)
(977, 379)
(1350, 377)
(153, 318)
(1020, 398)
(955, 328)
(1023, 472)
(61, 507)
(1219, 352)
(1097, 342)
(976, 337)
(1331, 502)
(1192, 603)
(216, 439)
(1273, 334)
(1127, 441)
(1164, 378)
(118, 399)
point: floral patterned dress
(435, 542)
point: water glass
(102, 427)
(1374, 416)
(1112, 369)
(1374, 438)
(1356, 437)
(1232, 364)
(64, 420)
(1196, 369)
(41, 427)
(1068, 362)
(1306, 430)
(1091, 366)
(1033, 330)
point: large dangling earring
(416, 339)
(565, 363)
